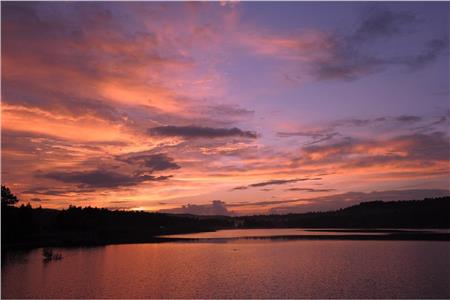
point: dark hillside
(25, 226)
(427, 213)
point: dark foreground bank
(27, 227)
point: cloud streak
(275, 182)
(413, 149)
(100, 178)
(349, 54)
(382, 23)
(151, 162)
(310, 190)
(200, 132)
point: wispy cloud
(345, 55)
(200, 132)
(315, 136)
(396, 151)
(295, 189)
(381, 23)
(275, 182)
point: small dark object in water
(49, 255)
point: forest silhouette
(24, 226)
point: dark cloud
(274, 182)
(151, 162)
(200, 132)
(350, 62)
(262, 203)
(310, 190)
(280, 181)
(431, 51)
(431, 126)
(408, 119)
(216, 208)
(385, 120)
(239, 188)
(348, 55)
(159, 162)
(381, 23)
(100, 178)
(63, 192)
(346, 64)
(315, 136)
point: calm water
(240, 269)
(236, 233)
(246, 233)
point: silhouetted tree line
(92, 226)
(427, 213)
(27, 226)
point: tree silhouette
(8, 198)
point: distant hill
(25, 226)
(427, 213)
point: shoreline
(386, 235)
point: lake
(236, 269)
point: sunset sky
(264, 107)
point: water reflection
(285, 269)
(15, 256)
(269, 232)
(233, 235)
